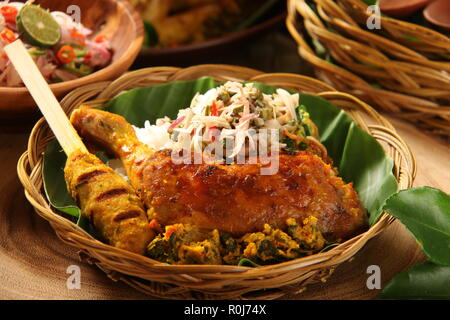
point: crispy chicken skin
(108, 201)
(234, 198)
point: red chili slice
(8, 35)
(66, 54)
(78, 37)
(100, 39)
(214, 109)
(9, 13)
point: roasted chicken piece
(233, 198)
(108, 201)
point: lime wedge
(38, 26)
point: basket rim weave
(210, 282)
(434, 39)
(413, 87)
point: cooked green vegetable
(36, 52)
(78, 68)
(186, 244)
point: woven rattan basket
(209, 282)
(410, 79)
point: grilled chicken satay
(108, 201)
(233, 198)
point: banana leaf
(54, 184)
(358, 156)
(425, 211)
(422, 281)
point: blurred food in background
(429, 13)
(171, 23)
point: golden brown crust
(238, 199)
(108, 201)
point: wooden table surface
(33, 261)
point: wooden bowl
(401, 8)
(114, 18)
(438, 13)
(191, 54)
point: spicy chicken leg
(233, 198)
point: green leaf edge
(402, 282)
(388, 208)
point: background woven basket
(209, 282)
(410, 79)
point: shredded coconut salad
(232, 110)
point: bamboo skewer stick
(65, 133)
(132, 235)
